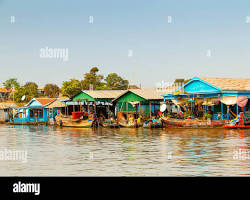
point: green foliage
(91, 79)
(19, 93)
(12, 82)
(51, 90)
(29, 90)
(115, 82)
(71, 88)
(112, 81)
(179, 80)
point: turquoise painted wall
(199, 86)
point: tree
(71, 88)
(51, 90)
(31, 89)
(12, 82)
(179, 80)
(92, 79)
(133, 87)
(115, 82)
(20, 93)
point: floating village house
(145, 101)
(4, 94)
(96, 101)
(4, 111)
(225, 97)
(38, 110)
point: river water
(55, 151)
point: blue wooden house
(36, 111)
(226, 97)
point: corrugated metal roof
(146, 93)
(149, 93)
(45, 101)
(7, 105)
(229, 83)
(56, 104)
(103, 94)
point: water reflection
(124, 152)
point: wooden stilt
(127, 109)
(150, 110)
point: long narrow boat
(67, 121)
(193, 123)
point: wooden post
(117, 109)
(108, 111)
(139, 108)
(127, 109)
(150, 110)
(237, 108)
(221, 110)
(95, 106)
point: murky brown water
(54, 151)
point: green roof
(130, 96)
(83, 97)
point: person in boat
(210, 113)
(101, 119)
(95, 121)
(131, 119)
(159, 115)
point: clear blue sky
(161, 50)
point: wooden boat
(131, 122)
(127, 124)
(67, 121)
(110, 123)
(193, 123)
(153, 123)
(241, 121)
